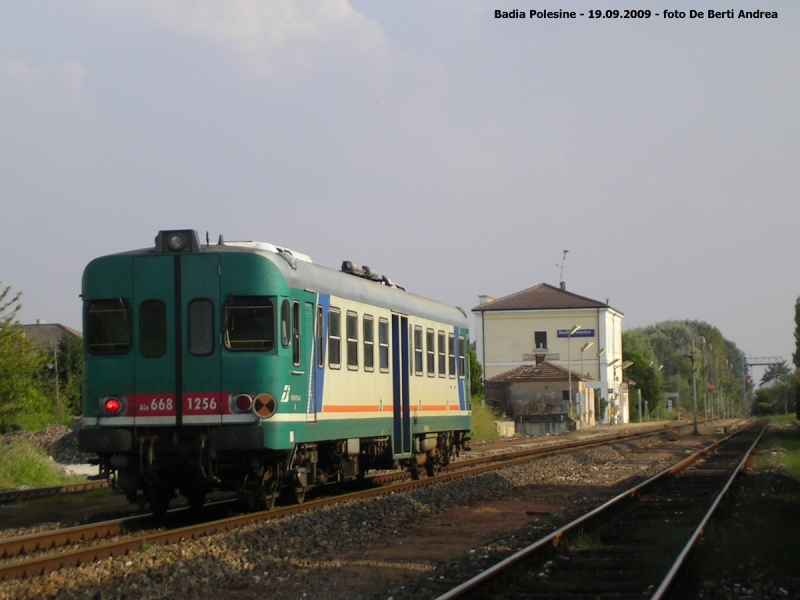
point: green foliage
(647, 380)
(777, 398)
(475, 374)
(65, 385)
(796, 355)
(483, 418)
(24, 465)
(23, 404)
(772, 371)
(716, 360)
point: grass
(483, 418)
(783, 446)
(22, 465)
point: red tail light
(242, 403)
(112, 406)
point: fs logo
(287, 389)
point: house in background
(48, 336)
(546, 323)
(541, 389)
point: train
(246, 367)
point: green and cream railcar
(245, 366)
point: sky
(456, 152)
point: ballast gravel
(337, 552)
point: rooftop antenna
(561, 274)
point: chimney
(564, 285)
(40, 321)
(485, 300)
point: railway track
(51, 550)
(633, 546)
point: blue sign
(562, 333)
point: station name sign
(562, 333)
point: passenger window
(109, 327)
(451, 354)
(249, 323)
(442, 359)
(383, 344)
(352, 340)
(430, 347)
(296, 333)
(334, 338)
(320, 337)
(369, 343)
(462, 356)
(152, 328)
(285, 339)
(201, 327)
(418, 349)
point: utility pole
(694, 390)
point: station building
(546, 323)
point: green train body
(244, 366)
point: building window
(152, 328)
(352, 340)
(430, 348)
(334, 338)
(383, 344)
(451, 355)
(201, 327)
(442, 355)
(369, 343)
(418, 350)
(540, 340)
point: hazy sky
(455, 152)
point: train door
(199, 358)
(154, 399)
(400, 395)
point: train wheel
(269, 489)
(431, 468)
(413, 469)
(298, 495)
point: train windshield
(109, 327)
(249, 323)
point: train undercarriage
(153, 466)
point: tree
(23, 405)
(796, 355)
(475, 374)
(646, 378)
(773, 370)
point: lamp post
(569, 365)
(622, 368)
(613, 388)
(584, 348)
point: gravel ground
(57, 440)
(409, 545)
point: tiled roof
(545, 371)
(542, 296)
(48, 335)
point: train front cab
(174, 365)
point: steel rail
(75, 557)
(554, 538)
(679, 562)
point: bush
(483, 418)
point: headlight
(176, 241)
(241, 403)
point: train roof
(360, 284)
